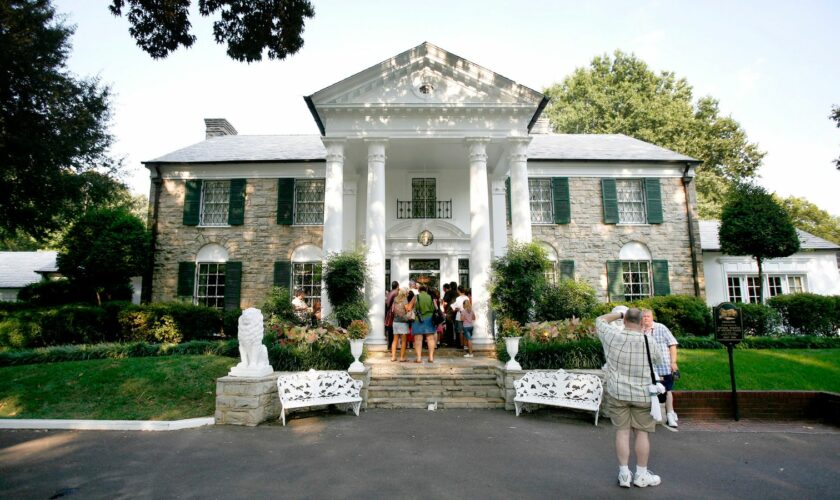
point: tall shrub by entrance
(344, 279)
(518, 280)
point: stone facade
(258, 243)
(591, 243)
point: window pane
(215, 197)
(636, 274)
(631, 201)
(210, 285)
(752, 289)
(424, 198)
(734, 287)
(541, 198)
(796, 284)
(307, 277)
(774, 285)
(309, 201)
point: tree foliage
(249, 27)
(835, 116)
(753, 224)
(344, 280)
(103, 250)
(517, 279)
(809, 217)
(53, 126)
(622, 95)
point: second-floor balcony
(424, 209)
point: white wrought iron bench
(581, 391)
(318, 388)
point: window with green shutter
(615, 281)
(567, 269)
(233, 285)
(661, 281)
(562, 202)
(186, 279)
(285, 201)
(610, 201)
(192, 202)
(653, 198)
(236, 208)
(507, 200)
(283, 274)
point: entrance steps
(449, 382)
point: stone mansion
(431, 164)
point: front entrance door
(425, 272)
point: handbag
(660, 397)
(438, 317)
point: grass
(766, 369)
(167, 388)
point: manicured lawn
(761, 369)
(165, 388)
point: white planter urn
(356, 348)
(512, 346)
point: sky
(774, 66)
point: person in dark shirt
(450, 293)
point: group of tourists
(640, 372)
(420, 313)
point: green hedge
(682, 314)
(808, 313)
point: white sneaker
(646, 479)
(672, 419)
(624, 479)
(468, 355)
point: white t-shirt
(459, 306)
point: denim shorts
(468, 332)
(668, 382)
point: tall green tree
(753, 224)
(54, 133)
(517, 279)
(809, 217)
(622, 95)
(249, 27)
(835, 116)
(103, 250)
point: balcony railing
(424, 209)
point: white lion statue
(254, 354)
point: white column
(520, 200)
(499, 224)
(333, 207)
(479, 242)
(375, 237)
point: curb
(106, 425)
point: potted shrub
(357, 330)
(511, 331)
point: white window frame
(642, 201)
(224, 202)
(630, 271)
(312, 289)
(532, 200)
(749, 291)
(296, 207)
(200, 293)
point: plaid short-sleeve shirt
(628, 373)
(663, 336)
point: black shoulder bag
(660, 397)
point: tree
(517, 280)
(835, 115)
(249, 27)
(621, 95)
(753, 224)
(103, 250)
(53, 126)
(345, 274)
(809, 217)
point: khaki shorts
(627, 415)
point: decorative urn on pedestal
(357, 331)
(511, 331)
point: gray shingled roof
(17, 269)
(244, 148)
(709, 238)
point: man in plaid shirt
(668, 367)
(628, 393)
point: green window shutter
(562, 202)
(192, 203)
(610, 198)
(236, 209)
(233, 285)
(615, 280)
(186, 279)
(653, 194)
(507, 200)
(567, 269)
(286, 201)
(661, 283)
(283, 274)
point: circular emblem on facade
(426, 88)
(425, 238)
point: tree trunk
(99, 299)
(760, 281)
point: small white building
(815, 269)
(18, 269)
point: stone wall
(591, 243)
(258, 243)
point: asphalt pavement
(463, 454)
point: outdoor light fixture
(425, 238)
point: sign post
(729, 330)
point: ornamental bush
(300, 348)
(49, 293)
(569, 298)
(517, 279)
(682, 314)
(807, 313)
(344, 280)
(760, 320)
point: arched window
(306, 272)
(210, 276)
(636, 271)
(551, 272)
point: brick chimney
(217, 127)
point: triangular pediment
(426, 75)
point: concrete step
(436, 370)
(399, 391)
(472, 379)
(442, 403)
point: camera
(677, 375)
